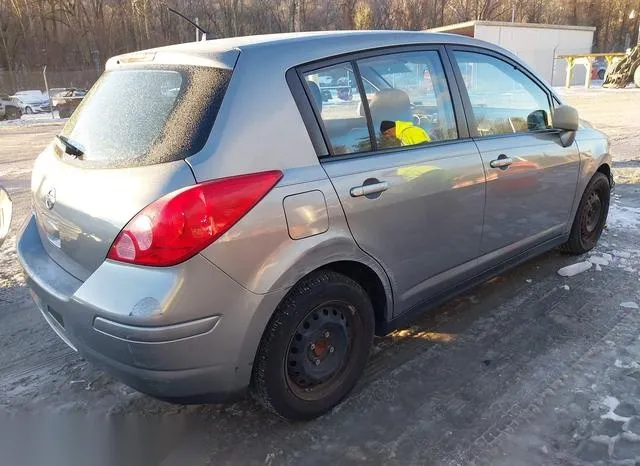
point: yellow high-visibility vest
(409, 134)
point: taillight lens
(183, 223)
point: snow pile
(623, 217)
(623, 254)
(630, 305)
(574, 269)
(598, 260)
(37, 119)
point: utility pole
(634, 15)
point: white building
(538, 45)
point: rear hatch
(133, 129)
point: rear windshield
(149, 115)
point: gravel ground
(528, 368)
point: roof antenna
(198, 28)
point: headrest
(390, 104)
(316, 93)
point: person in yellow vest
(405, 131)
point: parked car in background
(9, 108)
(31, 92)
(5, 214)
(67, 100)
(197, 249)
(32, 103)
(599, 69)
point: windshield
(148, 115)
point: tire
(600, 74)
(314, 348)
(591, 216)
(28, 110)
(636, 77)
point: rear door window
(411, 98)
(337, 100)
(149, 115)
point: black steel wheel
(591, 216)
(319, 350)
(315, 347)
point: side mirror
(566, 118)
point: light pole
(634, 15)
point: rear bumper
(187, 332)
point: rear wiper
(69, 147)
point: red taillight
(183, 223)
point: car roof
(320, 38)
(301, 46)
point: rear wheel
(590, 217)
(601, 74)
(315, 347)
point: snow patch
(622, 254)
(598, 260)
(574, 269)
(566, 287)
(607, 256)
(626, 365)
(37, 119)
(612, 403)
(629, 305)
(598, 268)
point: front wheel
(315, 347)
(28, 111)
(590, 217)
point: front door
(416, 208)
(531, 177)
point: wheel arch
(362, 269)
(368, 279)
(370, 276)
(606, 169)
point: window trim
(316, 125)
(306, 109)
(373, 141)
(464, 93)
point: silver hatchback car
(247, 213)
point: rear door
(416, 209)
(531, 177)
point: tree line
(82, 34)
